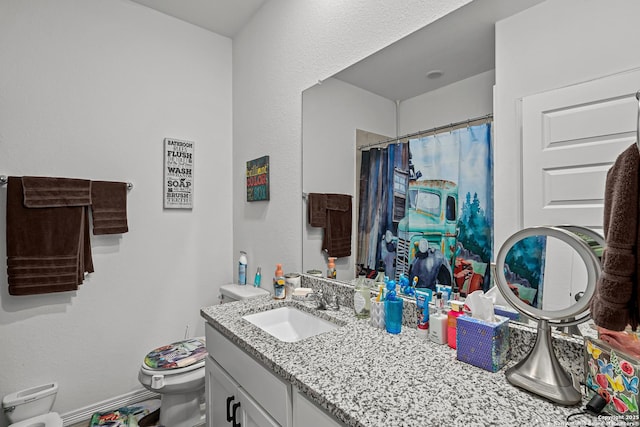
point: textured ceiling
(461, 44)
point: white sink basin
(289, 324)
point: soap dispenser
(362, 297)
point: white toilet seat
(52, 419)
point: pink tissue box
(483, 344)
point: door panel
(571, 136)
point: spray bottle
(242, 268)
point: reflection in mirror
(560, 259)
(388, 94)
(547, 273)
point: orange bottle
(331, 269)
(278, 283)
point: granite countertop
(364, 376)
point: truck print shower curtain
(426, 209)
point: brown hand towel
(337, 234)
(109, 207)
(45, 192)
(47, 247)
(317, 209)
(615, 302)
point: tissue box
(483, 344)
(507, 312)
(614, 375)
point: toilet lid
(177, 355)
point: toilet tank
(30, 402)
(235, 292)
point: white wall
(89, 89)
(331, 114)
(552, 45)
(466, 99)
(288, 47)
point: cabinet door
(223, 400)
(307, 414)
(252, 414)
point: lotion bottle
(438, 322)
(452, 317)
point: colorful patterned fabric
(177, 355)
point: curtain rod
(432, 130)
(4, 180)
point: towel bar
(4, 180)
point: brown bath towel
(109, 207)
(47, 247)
(317, 209)
(615, 302)
(337, 234)
(45, 192)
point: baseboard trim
(85, 414)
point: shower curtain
(444, 233)
(376, 224)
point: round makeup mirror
(561, 262)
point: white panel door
(571, 137)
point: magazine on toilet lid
(177, 355)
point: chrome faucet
(326, 300)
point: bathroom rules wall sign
(178, 174)
(258, 179)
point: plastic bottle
(278, 283)
(438, 322)
(258, 278)
(423, 326)
(242, 268)
(362, 298)
(331, 269)
(452, 317)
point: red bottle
(452, 317)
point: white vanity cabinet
(240, 391)
(307, 414)
(243, 393)
(229, 405)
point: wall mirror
(441, 74)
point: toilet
(30, 407)
(176, 371)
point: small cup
(393, 315)
(377, 314)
